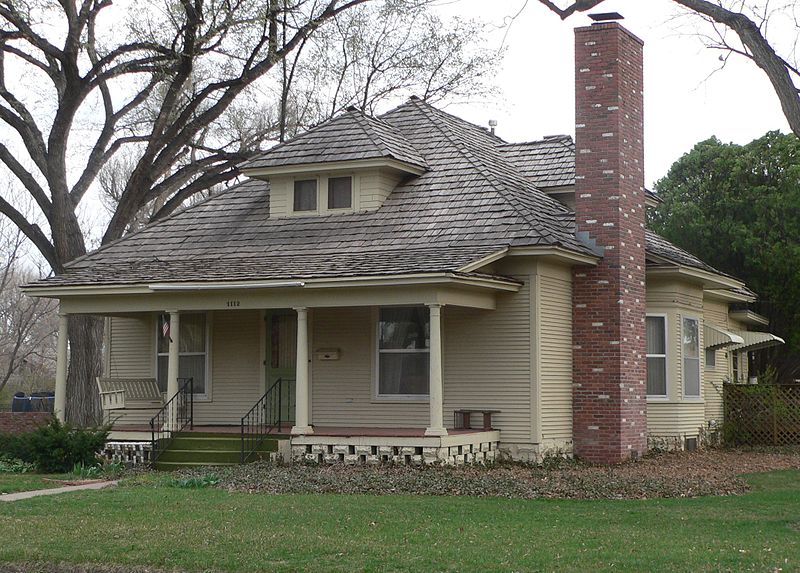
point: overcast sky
(683, 105)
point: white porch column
(173, 363)
(436, 391)
(61, 367)
(302, 403)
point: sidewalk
(57, 490)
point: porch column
(302, 402)
(173, 363)
(61, 368)
(436, 391)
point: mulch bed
(707, 472)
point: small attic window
(340, 192)
(305, 195)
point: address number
(231, 303)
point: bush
(14, 466)
(56, 447)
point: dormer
(347, 164)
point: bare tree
(158, 75)
(176, 89)
(749, 22)
(27, 326)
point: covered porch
(361, 371)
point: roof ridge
(498, 185)
(552, 139)
(414, 100)
(361, 118)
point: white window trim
(699, 395)
(660, 397)
(376, 370)
(205, 397)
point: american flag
(165, 326)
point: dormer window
(340, 192)
(305, 195)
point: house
(373, 277)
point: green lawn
(204, 529)
(12, 483)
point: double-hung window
(192, 352)
(403, 352)
(657, 356)
(691, 357)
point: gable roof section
(347, 137)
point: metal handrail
(174, 416)
(266, 415)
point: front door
(282, 357)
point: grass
(147, 523)
(12, 483)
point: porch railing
(173, 417)
(273, 409)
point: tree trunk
(85, 359)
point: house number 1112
(231, 303)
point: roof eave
(728, 295)
(749, 317)
(289, 169)
(449, 277)
(709, 280)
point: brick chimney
(609, 364)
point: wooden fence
(762, 414)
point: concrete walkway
(56, 490)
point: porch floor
(339, 432)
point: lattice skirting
(129, 453)
(374, 454)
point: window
(340, 192)
(657, 356)
(711, 358)
(691, 357)
(735, 366)
(403, 351)
(193, 351)
(305, 195)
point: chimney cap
(606, 16)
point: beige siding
(555, 365)
(235, 361)
(487, 363)
(674, 418)
(676, 415)
(715, 313)
(342, 390)
(376, 184)
(371, 187)
(236, 367)
(132, 347)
